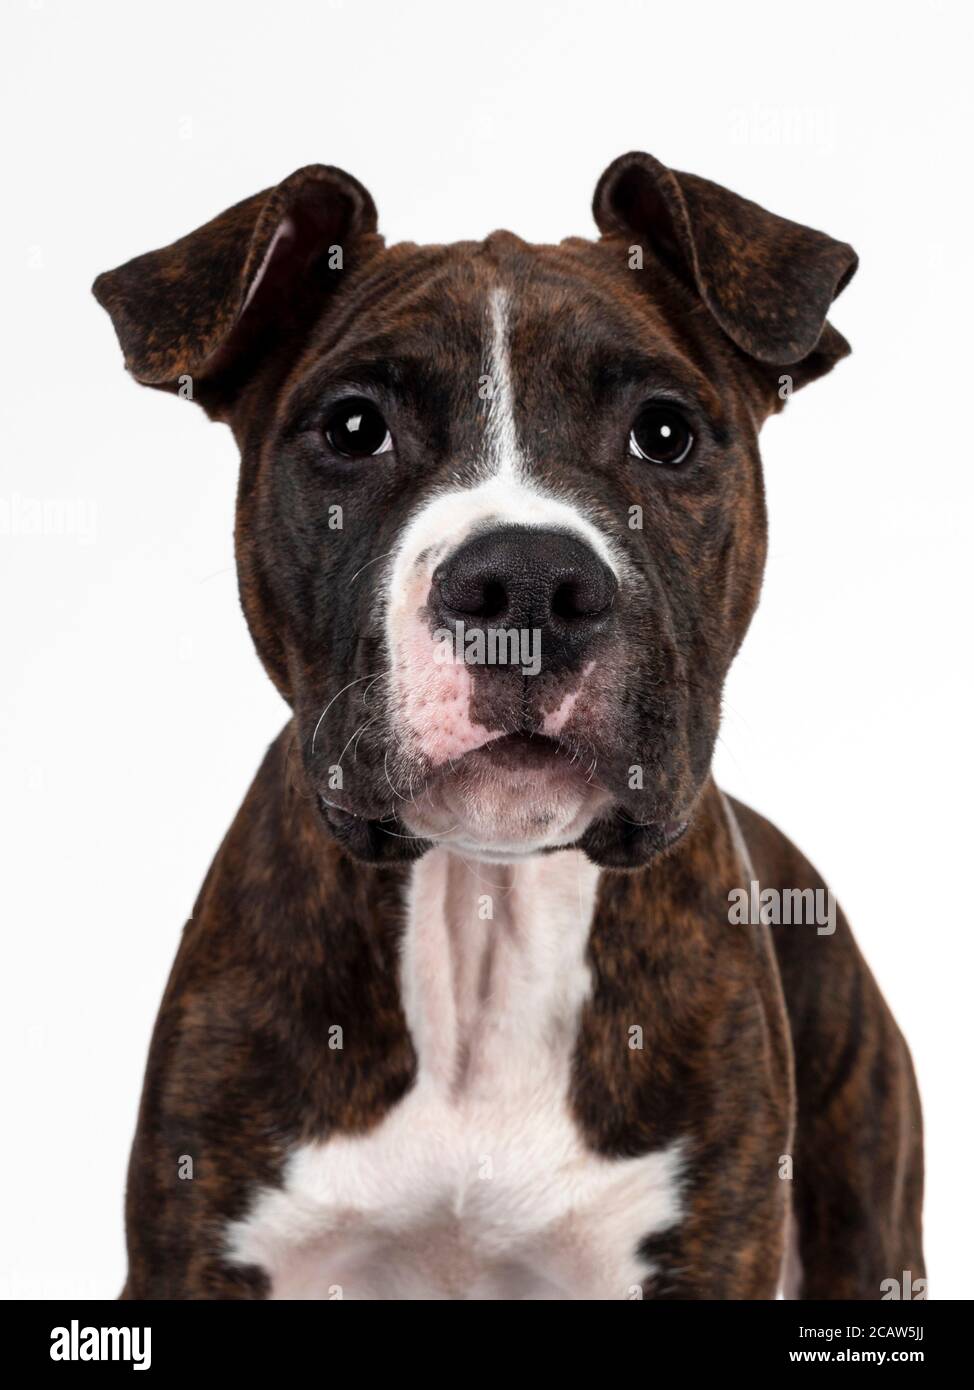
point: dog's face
(500, 524)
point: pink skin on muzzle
(496, 802)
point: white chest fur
(477, 1185)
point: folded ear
(201, 308)
(767, 282)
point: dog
(463, 1010)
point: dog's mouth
(524, 752)
(513, 795)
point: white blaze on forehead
(502, 448)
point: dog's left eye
(660, 435)
(356, 429)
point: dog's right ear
(204, 310)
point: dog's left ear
(767, 282)
(206, 309)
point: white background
(133, 710)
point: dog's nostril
(493, 599)
(576, 599)
(563, 600)
(569, 602)
(473, 595)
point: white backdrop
(133, 710)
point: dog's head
(500, 523)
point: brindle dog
(461, 1010)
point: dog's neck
(494, 967)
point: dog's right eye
(357, 430)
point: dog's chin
(514, 797)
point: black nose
(519, 577)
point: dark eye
(660, 435)
(356, 429)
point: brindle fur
(293, 934)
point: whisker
(371, 676)
(497, 887)
(357, 734)
(362, 729)
(381, 677)
(385, 769)
(639, 824)
(373, 561)
(437, 835)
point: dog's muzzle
(494, 645)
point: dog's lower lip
(518, 750)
